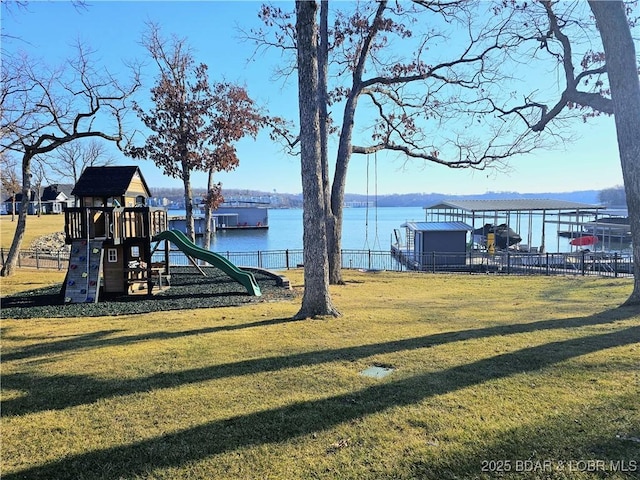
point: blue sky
(48, 29)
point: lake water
(285, 230)
(363, 229)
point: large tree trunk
(333, 249)
(334, 244)
(625, 93)
(14, 251)
(345, 146)
(316, 300)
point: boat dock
(443, 242)
(516, 263)
(227, 218)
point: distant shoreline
(286, 200)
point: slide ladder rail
(184, 243)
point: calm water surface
(363, 229)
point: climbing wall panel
(85, 269)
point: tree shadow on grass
(553, 448)
(291, 421)
(104, 338)
(41, 297)
(52, 393)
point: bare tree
(14, 7)
(622, 71)
(414, 94)
(10, 180)
(39, 176)
(45, 108)
(11, 7)
(316, 300)
(595, 82)
(67, 162)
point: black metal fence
(580, 263)
(508, 263)
(37, 258)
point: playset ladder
(82, 283)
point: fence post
(615, 265)
(59, 260)
(369, 259)
(508, 263)
(19, 258)
(547, 264)
(584, 267)
(259, 259)
(286, 258)
(433, 262)
(37, 258)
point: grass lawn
(36, 226)
(494, 377)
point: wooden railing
(113, 223)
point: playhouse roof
(111, 181)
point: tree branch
(571, 96)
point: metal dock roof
(516, 204)
(437, 226)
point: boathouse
(230, 216)
(437, 243)
(226, 218)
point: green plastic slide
(184, 243)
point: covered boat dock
(530, 218)
(518, 215)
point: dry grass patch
(36, 227)
(30, 279)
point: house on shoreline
(53, 200)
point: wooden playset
(110, 232)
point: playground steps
(82, 283)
